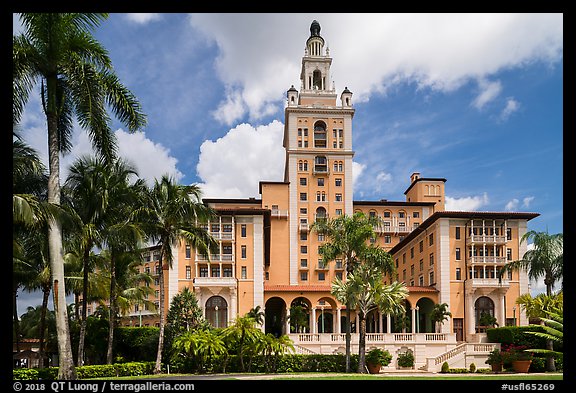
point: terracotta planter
(496, 367)
(373, 368)
(521, 366)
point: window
(244, 272)
(387, 239)
(305, 165)
(304, 249)
(215, 271)
(188, 272)
(303, 262)
(432, 259)
(458, 274)
(431, 277)
(227, 249)
(339, 275)
(340, 166)
(338, 182)
(203, 271)
(147, 257)
(421, 281)
(320, 134)
(303, 210)
(416, 214)
(300, 165)
(303, 196)
(338, 212)
(158, 268)
(320, 182)
(387, 215)
(412, 252)
(421, 245)
(303, 181)
(401, 214)
(243, 230)
(411, 270)
(458, 254)
(372, 240)
(321, 276)
(243, 251)
(156, 281)
(303, 276)
(431, 239)
(303, 236)
(299, 143)
(227, 271)
(421, 264)
(403, 258)
(404, 275)
(509, 254)
(457, 233)
(188, 251)
(338, 263)
(372, 214)
(156, 255)
(321, 237)
(338, 197)
(508, 233)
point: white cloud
(489, 91)
(376, 51)
(470, 203)
(142, 18)
(512, 205)
(233, 166)
(511, 106)
(357, 170)
(527, 201)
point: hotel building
(268, 256)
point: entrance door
(459, 328)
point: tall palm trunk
(66, 369)
(348, 337)
(80, 361)
(112, 319)
(550, 363)
(158, 365)
(45, 296)
(362, 343)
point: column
(380, 322)
(388, 323)
(313, 322)
(287, 327)
(338, 320)
(413, 320)
(470, 316)
(501, 316)
(233, 305)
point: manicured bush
(85, 372)
(24, 374)
(445, 367)
(136, 344)
(472, 368)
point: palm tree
(77, 79)
(539, 306)
(348, 236)
(298, 316)
(256, 314)
(545, 260)
(553, 331)
(244, 334)
(439, 314)
(171, 214)
(365, 291)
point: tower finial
(315, 28)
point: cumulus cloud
(436, 51)
(527, 201)
(357, 170)
(142, 18)
(512, 205)
(470, 203)
(233, 166)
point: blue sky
(473, 98)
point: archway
(300, 316)
(425, 324)
(403, 323)
(483, 305)
(275, 316)
(217, 311)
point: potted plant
(376, 358)
(520, 358)
(406, 360)
(495, 359)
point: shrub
(445, 368)
(406, 359)
(378, 356)
(472, 368)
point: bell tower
(318, 143)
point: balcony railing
(216, 258)
(279, 213)
(489, 283)
(222, 235)
(487, 259)
(498, 239)
(303, 227)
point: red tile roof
(326, 288)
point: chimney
(415, 176)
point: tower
(318, 143)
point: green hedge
(85, 372)
(517, 335)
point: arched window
(320, 134)
(320, 164)
(321, 213)
(300, 166)
(483, 305)
(217, 311)
(305, 165)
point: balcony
(488, 283)
(320, 169)
(215, 281)
(304, 227)
(222, 235)
(215, 258)
(492, 239)
(277, 213)
(322, 266)
(487, 259)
